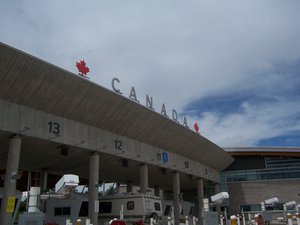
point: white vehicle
(136, 208)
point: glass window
(156, 206)
(84, 209)
(250, 207)
(62, 211)
(57, 211)
(130, 205)
(66, 211)
(105, 207)
(277, 206)
(167, 210)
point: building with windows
(260, 173)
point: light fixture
(124, 162)
(64, 150)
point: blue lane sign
(165, 157)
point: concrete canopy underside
(37, 154)
(31, 82)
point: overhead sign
(149, 103)
(165, 157)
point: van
(137, 208)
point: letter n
(149, 102)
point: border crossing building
(260, 173)
(54, 122)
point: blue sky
(231, 66)
(268, 112)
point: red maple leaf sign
(196, 127)
(82, 68)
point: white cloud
(176, 51)
(254, 123)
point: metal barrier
(298, 218)
(289, 219)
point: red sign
(82, 68)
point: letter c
(113, 85)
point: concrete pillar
(144, 178)
(129, 187)
(200, 200)
(118, 189)
(218, 206)
(12, 167)
(161, 194)
(93, 187)
(156, 190)
(43, 181)
(176, 197)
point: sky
(231, 66)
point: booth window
(84, 209)
(156, 206)
(130, 205)
(105, 207)
(62, 211)
(167, 210)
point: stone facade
(256, 192)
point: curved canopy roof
(264, 151)
(29, 81)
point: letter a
(185, 122)
(133, 95)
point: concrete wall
(34, 123)
(256, 192)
